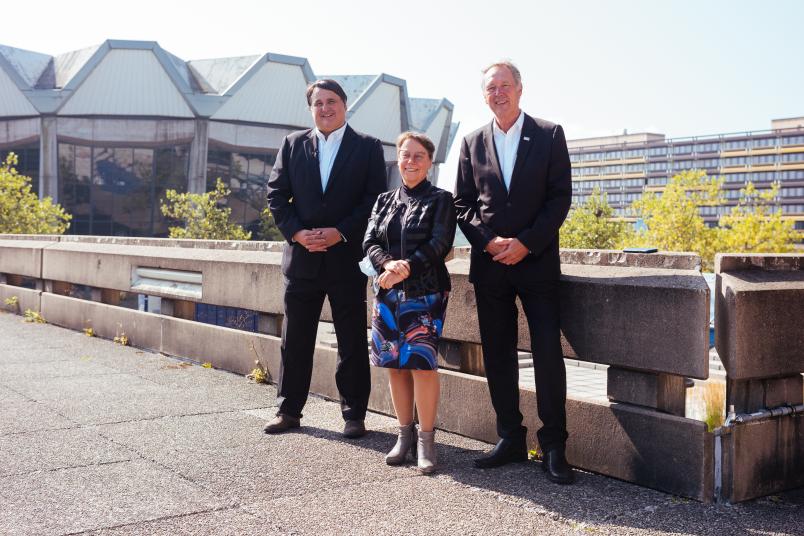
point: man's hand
(497, 245)
(401, 268)
(389, 279)
(513, 252)
(312, 239)
(331, 236)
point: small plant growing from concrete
(33, 317)
(121, 338)
(207, 364)
(13, 303)
(259, 374)
(714, 398)
(89, 332)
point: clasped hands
(319, 239)
(506, 250)
(394, 272)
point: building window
(764, 142)
(116, 191)
(793, 157)
(27, 162)
(793, 140)
(246, 175)
(735, 145)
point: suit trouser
(304, 299)
(497, 316)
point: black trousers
(304, 299)
(497, 315)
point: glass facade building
(106, 131)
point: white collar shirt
(507, 144)
(327, 151)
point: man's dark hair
(328, 84)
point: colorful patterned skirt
(405, 336)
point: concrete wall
(646, 315)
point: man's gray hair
(503, 63)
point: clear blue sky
(676, 67)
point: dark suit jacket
(532, 211)
(297, 201)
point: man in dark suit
(320, 192)
(513, 193)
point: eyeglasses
(418, 158)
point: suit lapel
(526, 141)
(311, 157)
(491, 151)
(348, 144)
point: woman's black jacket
(428, 229)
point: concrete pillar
(472, 359)
(197, 180)
(751, 395)
(270, 324)
(449, 354)
(664, 392)
(49, 158)
(61, 288)
(105, 295)
(178, 308)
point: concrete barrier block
(758, 314)
(748, 396)
(649, 319)
(763, 458)
(235, 278)
(622, 441)
(225, 348)
(664, 392)
(22, 256)
(26, 299)
(143, 330)
(617, 440)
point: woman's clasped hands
(395, 271)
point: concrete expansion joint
(162, 518)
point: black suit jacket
(532, 211)
(297, 201)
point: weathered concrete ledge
(22, 257)
(760, 294)
(648, 319)
(25, 299)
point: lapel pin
(526, 138)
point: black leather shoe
(507, 450)
(555, 466)
(354, 429)
(282, 423)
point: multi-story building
(625, 166)
(106, 130)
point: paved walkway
(101, 439)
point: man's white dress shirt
(327, 151)
(507, 144)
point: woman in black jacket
(409, 234)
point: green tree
(592, 225)
(755, 225)
(268, 228)
(21, 210)
(201, 215)
(673, 221)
